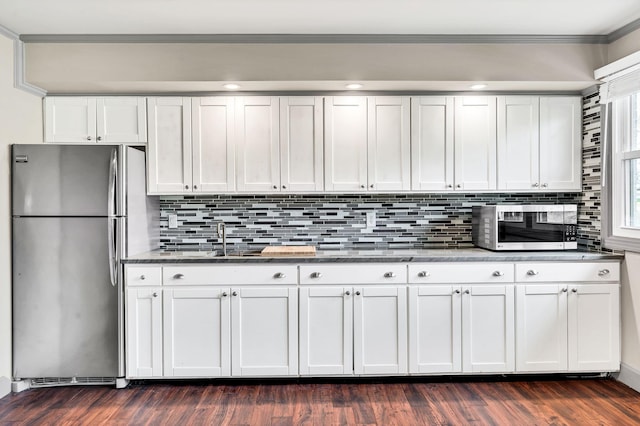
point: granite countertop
(362, 256)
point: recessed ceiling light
(354, 86)
(231, 86)
(478, 86)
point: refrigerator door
(63, 180)
(65, 309)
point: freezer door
(63, 180)
(65, 309)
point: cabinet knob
(235, 293)
(357, 293)
(371, 186)
(389, 275)
(315, 275)
(348, 293)
(224, 294)
(574, 290)
(99, 138)
(88, 138)
(498, 273)
(564, 290)
(195, 186)
(142, 277)
(275, 186)
(458, 186)
(423, 274)
(535, 185)
(186, 187)
(603, 272)
(457, 291)
(155, 294)
(467, 291)
(279, 275)
(178, 276)
(544, 185)
(362, 186)
(284, 186)
(532, 272)
(449, 186)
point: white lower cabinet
(144, 332)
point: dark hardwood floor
(549, 401)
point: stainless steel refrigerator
(77, 210)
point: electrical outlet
(173, 221)
(371, 219)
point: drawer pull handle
(498, 274)
(357, 293)
(423, 274)
(564, 290)
(389, 275)
(224, 294)
(142, 277)
(603, 272)
(457, 291)
(155, 294)
(348, 293)
(315, 275)
(178, 276)
(467, 291)
(574, 290)
(235, 293)
(279, 275)
(532, 272)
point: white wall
(20, 122)
(624, 46)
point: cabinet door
(518, 119)
(258, 140)
(541, 327)
(144, 332)
(121, 120)
(264, 331)
(196, 332)
(432, 143)
(594, 327)
(345, 132)
(70, 119)
(326, 330)
(213, 144)
(169, 153)
(301, 137)
(435, 330)
(488, 341)
(389, 156)
(380, 330)
(475, 142)
(561, 143)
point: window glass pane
(633, 185)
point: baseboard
(5, 387)
(629, 376)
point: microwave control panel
(570, 232)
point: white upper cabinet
(301, 144)
(475, 143)
(345, 143)
(518, 118)
(367, 144)
(389, 144)
(169, 151)
(432, 143)
(561, 143)
(539, 143)
(257, 143)
(213, 144)
(88, 120)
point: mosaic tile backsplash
(331, 221)
(339, 221)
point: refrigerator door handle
(113, 178)
(112, 250)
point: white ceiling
(524, 17)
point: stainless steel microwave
(525, 227)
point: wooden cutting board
(288, 250)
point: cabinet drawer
(461, 272)
(354, 273)
(568, 271)
(230, 274)
(143, 275)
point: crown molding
(19, 81)
(623, 31)
(316, 38)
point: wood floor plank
(473, 401)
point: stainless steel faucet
(222, 233)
